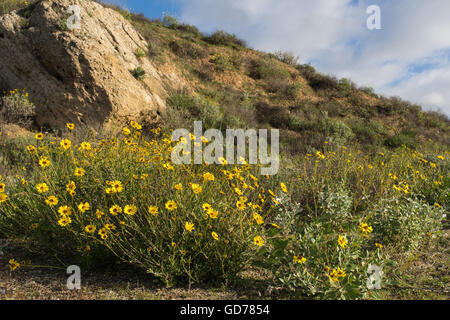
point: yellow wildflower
(83, 207)
(31, 149)
(213, 214)
(258, 241)
(42, 188)
(342, 241)
(66, 144)
(238, 191)
(196, 188)
(44, 162)
(189, 226)
(13, 264)
(65, 211)
(99, 214)
(90, 228)
(299, 259)
(206, 206)
(115, 209)
(241, 205)
(178, 187)
(126, 131)
(3, 197)
(130, 209)
(52, 201)
(171, 205)
(208, 176)
(258, 218)
(116, 186)
(85, 146)
(135, 125)
(64, 221)
(365, 228)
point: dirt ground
(425, 276)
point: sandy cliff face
(80, 75)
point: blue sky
(153, 8)
(409, 57)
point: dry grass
(426, 275)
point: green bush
(319, 233)
(322, 255)
(320, 82)
(294, 123)
(139, 53)
(306, 70)
(265, 68)
(199, 109)
(225, 39)
(15, 107)
(406, 224)
(336, 130)
(283, 88)
(404, 138)
(169, 21)
(393, 105)
(345, 87)
(333, 108)
(222, 62)
(367, 132)
(369, 91)
(345, 212)
(154, 51)
(188, 28)
(12, 157)
(138, 73)
(287, 57)
(186, 49)
(435, 119)
(276, 116)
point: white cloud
(429, 88)
(332, 34)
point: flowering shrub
(346, 216)
(323, 256)
(15, 107)
(406, 223)
(123, 196)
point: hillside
(211, 77)
(252, 89)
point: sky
(408, 57)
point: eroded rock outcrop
(80, 75)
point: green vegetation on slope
(256, 89)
